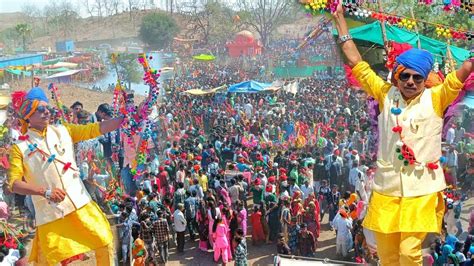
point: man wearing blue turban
(43, 165)
(407, 200)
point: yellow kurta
(78, 232)
(391, 214)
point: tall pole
(384, 31)
(418, 41)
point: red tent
(244, 44)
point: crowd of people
(227, 172)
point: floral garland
(10, 237)
(136, 120)
(406, 154)
(60, 106)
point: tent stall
(64, 77)
(200, 92)
(373, 33)
(250, 86)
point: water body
(111, 76)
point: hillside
(121, 28)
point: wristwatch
(344, 38)
(47, 194)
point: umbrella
(204, 57)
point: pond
(111, 76)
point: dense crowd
(266, 168)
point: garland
(353, 8)
(406, 154)
(136, 120)
(33, 148)
(10, 238)
(60, 106)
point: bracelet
(47, 194)
(344, 38)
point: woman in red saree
(257, 229)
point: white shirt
(293, 189)
(343, 227)
(354, 176)
(248, 110)
(360, 188)
(179, 221)
(450, 135)
(180, 176)
(234, 192)
(306, 190)
(169, 117)
(13, 256)
(452, 159)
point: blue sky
(15, 5)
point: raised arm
(465, 70)
(348, 47)
(110, 125)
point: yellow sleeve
(371, 83)
(83, 132)
(16, 171)
(444, 94)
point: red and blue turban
(26, 104)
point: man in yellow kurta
(43, 165)
(407, 202)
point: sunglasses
(417, 78)
(41, 109)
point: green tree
(158, 30)
(128, 69)
(24, 30)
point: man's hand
(57, 195)
(339, 12)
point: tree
(10, 37)
(90, 9)
(24, 30)
(264, 16)
(132, 5)
(62, 17)
(128, 69)
(158, 30)
(210, 19)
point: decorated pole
(450, 65)
(384, 30)
(55, 96)
(418, 41)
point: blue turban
(416, 59)
(37, 93)
(29, 105)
